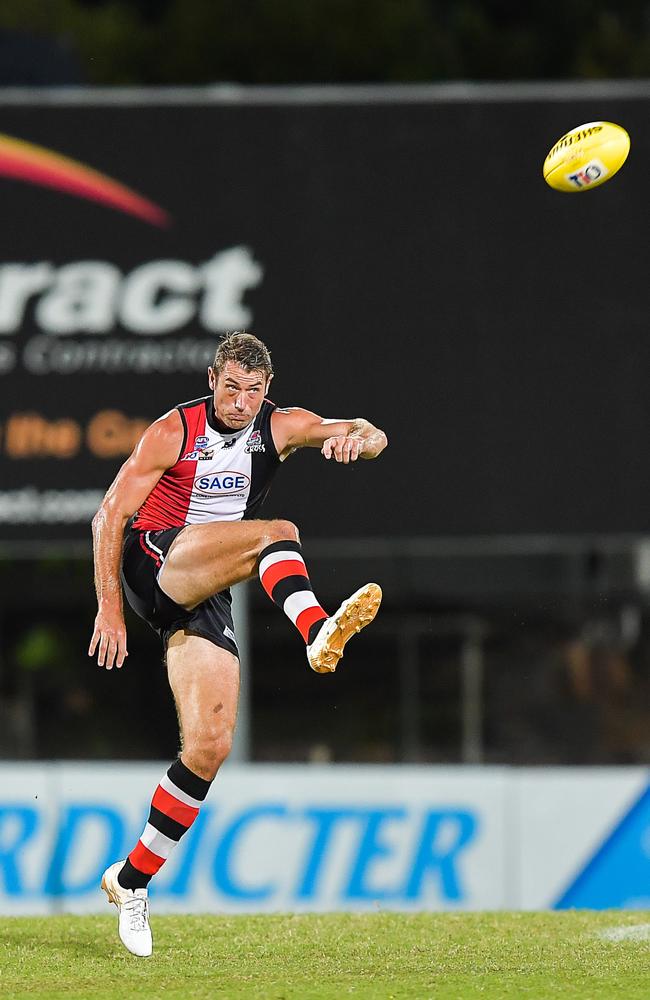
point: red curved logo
(25, 161)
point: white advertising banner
(318, 838)
(584, 837)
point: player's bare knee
(206, 755)
(223, 745)
(282, 531)
(218, 752)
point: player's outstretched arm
(343, 440)
(157, 450)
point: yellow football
(586, 156)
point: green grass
(528, 956)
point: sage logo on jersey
(222, 483)
(254, 443)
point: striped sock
(284, 577)
(174, 808)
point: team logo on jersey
(222, 483)
(255, 443)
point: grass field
(529, 956)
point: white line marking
(628, 932)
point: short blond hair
(244, 350)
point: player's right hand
(343, 447)
(109, 639)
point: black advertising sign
(404, 262)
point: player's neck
(218, 425)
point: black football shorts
(143, 557)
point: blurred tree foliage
(281, 41)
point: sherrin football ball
(586, 156)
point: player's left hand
(344, 448)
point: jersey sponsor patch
(222, 483)
(200, 452)
(200, 455)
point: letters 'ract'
(93, 296)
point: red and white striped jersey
(219, 475)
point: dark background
(430, 281)
(417, 271)
(288, 41)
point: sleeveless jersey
(219, 476)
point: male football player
(188, 497)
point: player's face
(238, 394)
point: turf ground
(528, 956)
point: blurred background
(358, 183)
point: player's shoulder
(290, 411)
(190, 404)
(287, 416)
(291, 427)
(164, 439)
(294, 416)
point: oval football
(586, 157)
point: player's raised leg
(205, 559)
(205, 681)
(283, 574)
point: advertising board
(401, 264)
(313, 838)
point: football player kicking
(188, 497)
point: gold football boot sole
(353, 615)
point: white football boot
(354, 614)
(133, 909)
